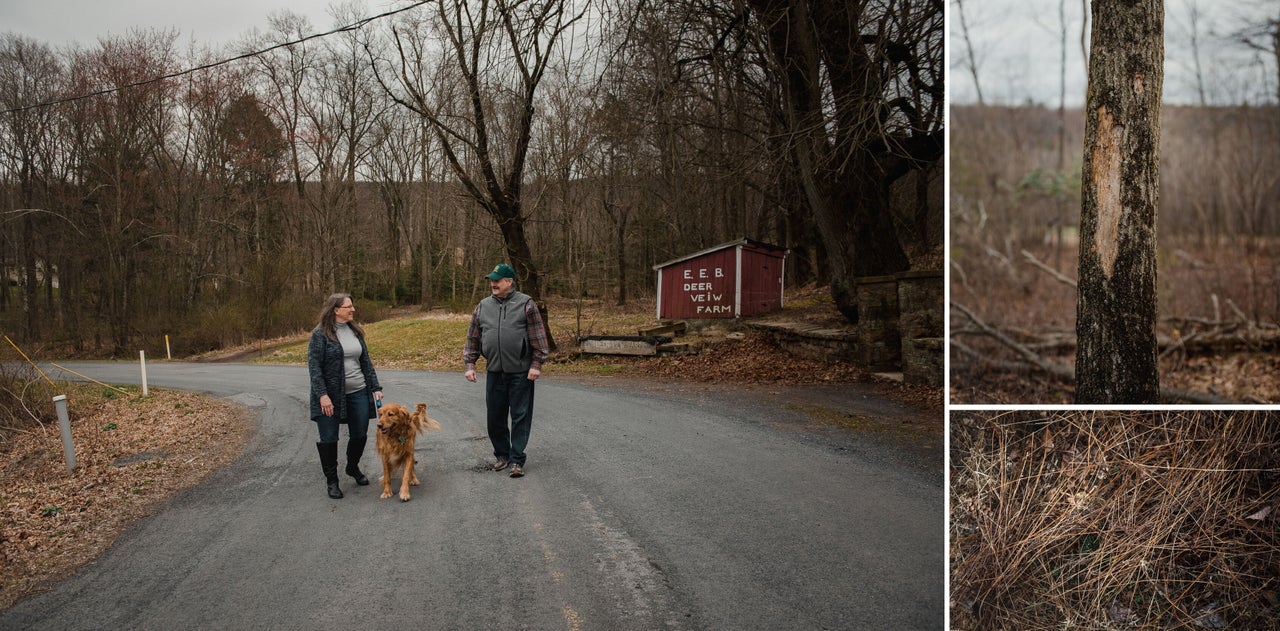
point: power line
(354, 26)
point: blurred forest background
(1015, 206)
(583, 141)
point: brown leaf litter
(131, 454)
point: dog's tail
(424, 422)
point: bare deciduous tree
(1263, 35)
(861, 117)
(499, 51)
(394, 163)
(970, 59)
(28, 72)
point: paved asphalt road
(643, 508)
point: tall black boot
(355, 449)
(329, 463)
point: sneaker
(500, 465)
(516, 471)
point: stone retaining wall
(920, 296)
(811, 341)
(900, 328)
(878, 332)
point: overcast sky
(1018, 46)
(1017, 42)
(209, 22)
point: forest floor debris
(1219, 305)
(1109, 520)
(132, 454)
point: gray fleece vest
(504, 340)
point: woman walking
(344, 387)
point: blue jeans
(357, 418)
(509, 393)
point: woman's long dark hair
(327, 318)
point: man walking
(507, 329)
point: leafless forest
(583, 142)
(1015, 207)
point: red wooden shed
(731, 280)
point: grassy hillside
(433, 340)
(730, 352)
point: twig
(1026, 353)
(127, 394)
(1049, 270)
(959, 273)
(1239, 314)
(21, 398)
(1192, 261)
(1004, 260)
(1180, 344)
(33, 364)
(6, 428)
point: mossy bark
(1116, 306)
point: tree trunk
(845, 160)
(510, 220)
(1116, 306)
(621, 235)
(30, 287)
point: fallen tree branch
(1005, 260)
(1217, 340)
(1056, 370)
(1035, 361)
(1175, 395)
(1028, 354)
(1185, 321)
(1167, 394)
(1062, 278)
(1058, 341)
(1239, 314)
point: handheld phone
(378, 402)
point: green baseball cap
(500, 271)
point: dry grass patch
(571, 320)
(434, 340)
(729, 353)
(132, 454)
(1115, 520)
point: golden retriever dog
(397, 432)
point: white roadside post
(167, 354)
(142, 359)
(64, 423)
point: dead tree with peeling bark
(1116, 306)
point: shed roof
(722, 246)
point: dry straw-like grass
(1115, 520)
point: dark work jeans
(509, 393)
(357, 418)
